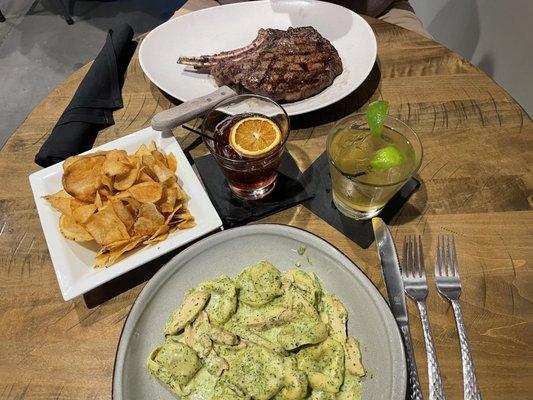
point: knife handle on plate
(413, 390)
(176, 116)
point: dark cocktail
(249, 134)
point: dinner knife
(169, 119)
(394, 284)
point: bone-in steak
(283, 65)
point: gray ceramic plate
(228, 252)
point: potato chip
(132, 205)
(110, 254)
(105, 194)
(115, 245)
(82, 178)
(168, 200)
(171, 215)
(186, 215)
(142, 151)
(121, 201)
(72, 230)
(180, 195)
(124, 182)
(158, 235)
(157, 163)
(144, 177)
(82, 213)
(106, 227)
(60, 201)
(69, 161)
(107, 181)
(157, 239)
(186, 224)
(116, 163)
(148, 220)
(159, 156)
(98, 201)
(123, 213)
(146, 192)
(172, 163)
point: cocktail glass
(359, 190)
(248, 178)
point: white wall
(495, 35)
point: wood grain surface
(476, 183)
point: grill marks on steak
(283, 65)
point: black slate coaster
(361, 232)
(233, 211)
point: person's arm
(372, 8)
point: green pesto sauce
(281, 344)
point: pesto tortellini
(263, 335)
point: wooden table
(476, 183)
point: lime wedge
(386, 158)
(375, 116)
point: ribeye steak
(283, 65)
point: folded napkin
(317, 178)
(233, 211)
(91, 108)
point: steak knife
(175, 116)
(394, 284)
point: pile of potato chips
(121, 201)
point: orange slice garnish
(254, 136)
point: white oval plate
(228, 252)
(235, 25)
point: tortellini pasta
(263, 335)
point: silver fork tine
(445, 255)
(404, 256)
(414, 256)
(453, 256)
(421, 270)
(410, 257)
(438, 258)
(447, 264)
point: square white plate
(73, 261)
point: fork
(449, 285)
(416, 287)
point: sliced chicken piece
(193, 303)
(215, 364)
(270, 317)
(300, 303)
(222, 336)
(333, 314)
(306, 282)
(353, 361)
(197, 337)
(252, 337)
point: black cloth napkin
(233, 211)
(91, 108)
(361, 232)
